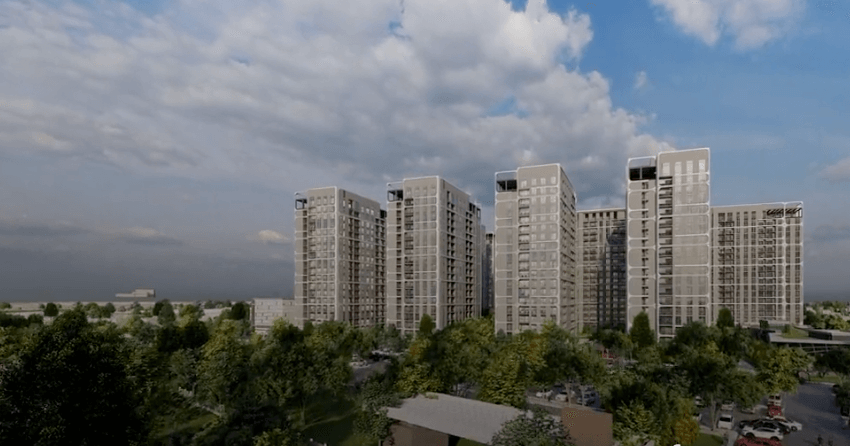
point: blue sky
(159, 144)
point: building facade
(487, 274)
(668, 238)
(535, 250)
(757, 266)
(340, 257)
(433, 254)
(602, 267)
(686, 259)
(266, 310)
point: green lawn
(835, 379)
(708, 440)
(795, 333)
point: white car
(726, 421)
(562, 396)
(762, 432)
(792, 426)
(727, 406)
(544, 394)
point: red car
(755, 441)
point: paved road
(814, 406)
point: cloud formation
(838, 172)
(641, 80)
(270, 237)
(368, 92)
(751, 23)
(147, 236)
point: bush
(51, 310)
(5, 305)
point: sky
(154, 144)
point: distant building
(487, 273)
(266, 310)
(433, 253)
(602, 267)
(141, 293)
(340, 257)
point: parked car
(727, 406)
(699, 401)
(763, 432)
(751, 409)
(562, 396)
(746, 441)
(773, 424)
(790, 426)
(774, 400)
(726, 421)
(697, 416)
(544, 394)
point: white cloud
(641, 80)
(270, 237)
(146, 236)
(838, 172)
(752, 23)
(299, 94)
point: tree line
(185, 381)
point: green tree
(634, 425)
(778, 368)
(240, 311)
(724, 318)
(539, 429)
(5, 305)
(375, 397)
(108, 310)
(278, 437)
(70, 386)
(165, 316)
(426, 325)
(51, 310)
(157, 307)
(641, 334)
(513, 370)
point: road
(814, 407)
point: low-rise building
(266, 310)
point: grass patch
(331, 420)
(795, 333)
(708, 440)
(835, 379)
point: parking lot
(814, 407)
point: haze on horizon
(158, 144)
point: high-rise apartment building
(687, 260)
(668, 238)
(602, 267)
(535, 250)
(757, 266)
(340, 257)
(487, 273)
(433, 254)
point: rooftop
(461, 417)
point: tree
(50, 310)
(165, 316)
(778, 368)
(513, 369)
(376, 395)
(641, 334)
(764, 325)
(108, 310)
(426, 325)
(5, 305)
(240, 311)
(70, 386)
(157, 307)
(539, 429)
(724, 318)
(634, 425)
